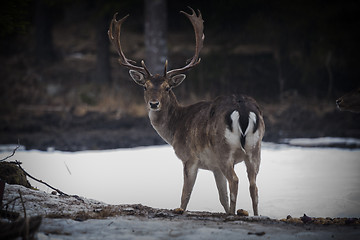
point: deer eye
(145, 88)
(167, 89)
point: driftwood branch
(18, 163)
(38, 180)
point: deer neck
(165, 120)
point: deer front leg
(190, 173)
(222, 189)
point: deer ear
(138, 77)
(177, 80)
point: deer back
(224, 124)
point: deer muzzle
(154, 105)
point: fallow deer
(213, 135)
(350, 101)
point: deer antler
(197, 23)
(116, 25)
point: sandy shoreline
(81, 218)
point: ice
(292, 180)
(10, 148)
(324, 142)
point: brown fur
(212, 135)
(200, 127)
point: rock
(12, 174)
(306, 219)
(178, 211)
(292, 220)
(129, 210)
(163, 214)
(242, 213)
(256, 233)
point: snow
(324, 142)
(10, 148)
(292, 181)
(134, 228)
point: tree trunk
(155, 35)
(44, 46)
(102, 68)
(331, 78)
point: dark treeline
(268, 49)
(289, 47)
(62, 86)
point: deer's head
(350, 101)
(158, 87)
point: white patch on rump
(232, 137)
(252, 117)
(251, 124)
(251, 138)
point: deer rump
(241, 122)
(231, 121)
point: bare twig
(22, 203)
(13, 153)
(2, 189)
(18, 163)
(6, 205)
(67, 168)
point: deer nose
(154, 104)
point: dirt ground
(76, 217)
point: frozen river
(322, 182)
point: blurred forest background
(61, 85)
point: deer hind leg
(222, 189)
(252, 168)
(233, 180)
(190, 173)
